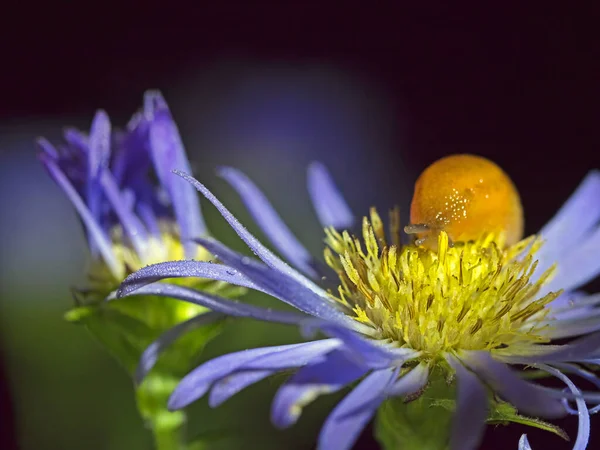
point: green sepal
(123, 336)
(126, 327)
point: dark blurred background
(375, 92)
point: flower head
(109, 177)
(135, 212)
(401, 317)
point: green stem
(167, 434)
(168, 427)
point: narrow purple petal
(150, 355)
(472, 406)
(578, 350)
(572, 305)
(47, 147)
(218, 304)
(341, 429)
(254, 244)
(412, 382)
(98, 158)
(563, 328)
(367, 352)
(524, 443)
(278, 284)
(96, 235)
(78, 141)
(168, 154)
(591, 377)
(99, 144)
(583, 429)
(132, 225)
(263, 366)
(578, 266)
(149, 219)
(294, 357)
(183, 269)
(195, 384)
(269, 221)
(525, 396)
(331, 208)
(311, 381)
(230, 385)
(573, 221)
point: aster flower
(455, 312)
(136, 212)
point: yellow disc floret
(465, 196)
(475, 295)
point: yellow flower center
(474, 295)
(169, 248)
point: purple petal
(99, 144)
(254, 244)
(98, 158)
(592, 378)
(573, 221)
(218, 304)
(578, 266)
(263, 366)
(563, 328)
(168, 154)
(412, 382)
(183, 269)
(150, 355)
(583, 429)
(572, 305)
(230, 385)
(524, 443)
(578, 350)
(367, 352)
(294, 357)
(311, 381)
(269, 221)
(195, 384)
(132, 225)
(47, 147)
(148, 216)
(472, 406)
(96, 235)
(78, 141)
(525, 396)
(276, 283)
(341, 429)
(331, 208)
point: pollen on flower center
(474, 295)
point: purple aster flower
(107, 174)
(399, 317)
(135, 212)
